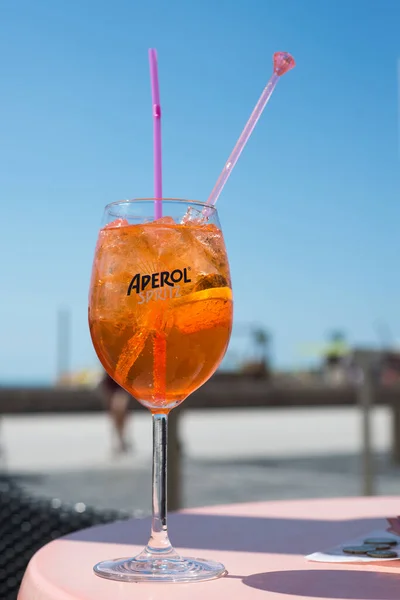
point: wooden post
(63, 344)
(174, 481)
(395, 406)
(367, 360)
(366, 402)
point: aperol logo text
(158, 286)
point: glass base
(167, 570)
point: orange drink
(160, 310)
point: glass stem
(159, 543)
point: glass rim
(210, 207)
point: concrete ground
(229, 456)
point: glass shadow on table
(336, 584)
(237, 533)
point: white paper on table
(336, 554)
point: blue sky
(311, 213)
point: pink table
(262, 545)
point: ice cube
(165, 221)
(116, 223)
(199, 249)
(164, 240)
(193, 216)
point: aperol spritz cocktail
(160, 317)
(160, 307)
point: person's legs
(119, 413)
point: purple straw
(155, 93)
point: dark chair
(27, 524)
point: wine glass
(160, 317)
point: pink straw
(283, 62)
(155, 93)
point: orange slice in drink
(130, 353)
(203, 310)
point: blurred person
(117, 402)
